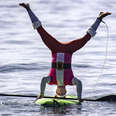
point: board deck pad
(54, 102)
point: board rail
(94, 98)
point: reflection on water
(61, 111)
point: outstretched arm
(79, 43)
(50, 41)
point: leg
(50, 41)
(78, 84)
(43, 85)
(79, 43)
(35, 21)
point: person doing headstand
(61, 72)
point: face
(61, 90)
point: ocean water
(24, 59)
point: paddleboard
(55, 102)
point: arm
(43, 86)
(79, 43)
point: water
(24, 59)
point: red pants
(56, 46)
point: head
(61, 91)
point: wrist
(41, 95)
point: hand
(25, 5)
(103, 14)
(56, 96)
(39, 97)
(81, 100)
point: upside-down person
(61, 72)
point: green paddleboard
(55, 102)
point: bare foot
(25, 5)
(103, 14)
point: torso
(61, 76)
